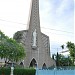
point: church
(36, 43)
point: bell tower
(33, 42)
(34, 24)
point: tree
(16, 50)
(62, 46)
(71, 47)
(10, 50)
(3, 45)
(62, 61)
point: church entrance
(33, 63)
(44, 66)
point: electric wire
(41, 27)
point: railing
(61, 71)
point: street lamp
(12, 67)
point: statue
(34, 39)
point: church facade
(37, 45)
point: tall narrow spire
(34, 21)
(36, 43)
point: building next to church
(36, 43)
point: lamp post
(12, 67)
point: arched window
(44, 66)
(33, 63)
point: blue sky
(59, 15)
(56, 19)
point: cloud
(10, 28)
(59, 20)
(65, 6)
(14, 10)
(54, 14)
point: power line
(59, 34)
(41, 27)
(56, 30)
(12, 22)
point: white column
(12, 69)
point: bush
(5, 71)
(20, 71)
(24, 71)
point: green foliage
(18, 36)
(10, 49)
(71, 47)
(61, 60)
(24, 72)
(62, 46)
(3, 45)
(7, 71)
(17, 51)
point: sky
(56, 19)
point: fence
(55, 72)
